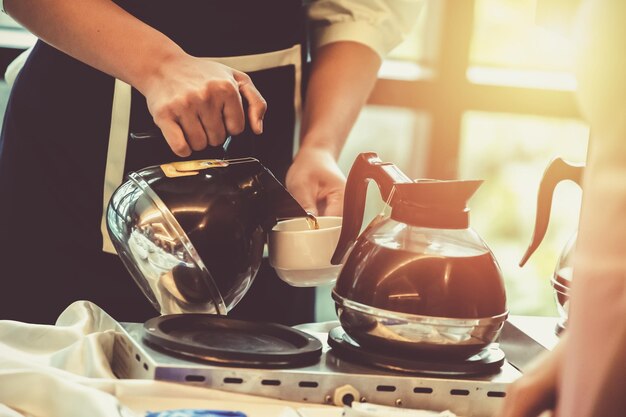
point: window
(512, 46)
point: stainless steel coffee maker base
(330, 381)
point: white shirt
(379, 24)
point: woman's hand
(535, 392)
(316, 182)
(196, 102)
(342, 76)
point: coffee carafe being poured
(192, 233)
(420, 279)
(558, 170)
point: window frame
(449, 93)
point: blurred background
(481, 89)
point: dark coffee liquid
(312, 222)
(431, 285)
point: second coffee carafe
(558, 170)
(420, 279)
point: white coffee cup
(301, 255)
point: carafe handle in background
(557, 171)
(367, 166)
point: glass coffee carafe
(420, 279)
(558, 170)
(192, 233)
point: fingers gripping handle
(558, 170)
(367, 166)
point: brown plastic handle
(367, 166)
(557, 171)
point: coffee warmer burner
(322, 365)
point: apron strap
(120, 118)
(116, 153)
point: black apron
(64, 149)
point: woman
(104, 69)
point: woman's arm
(185, 94)
(342, 77)
(350, 37)
(592, 382)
